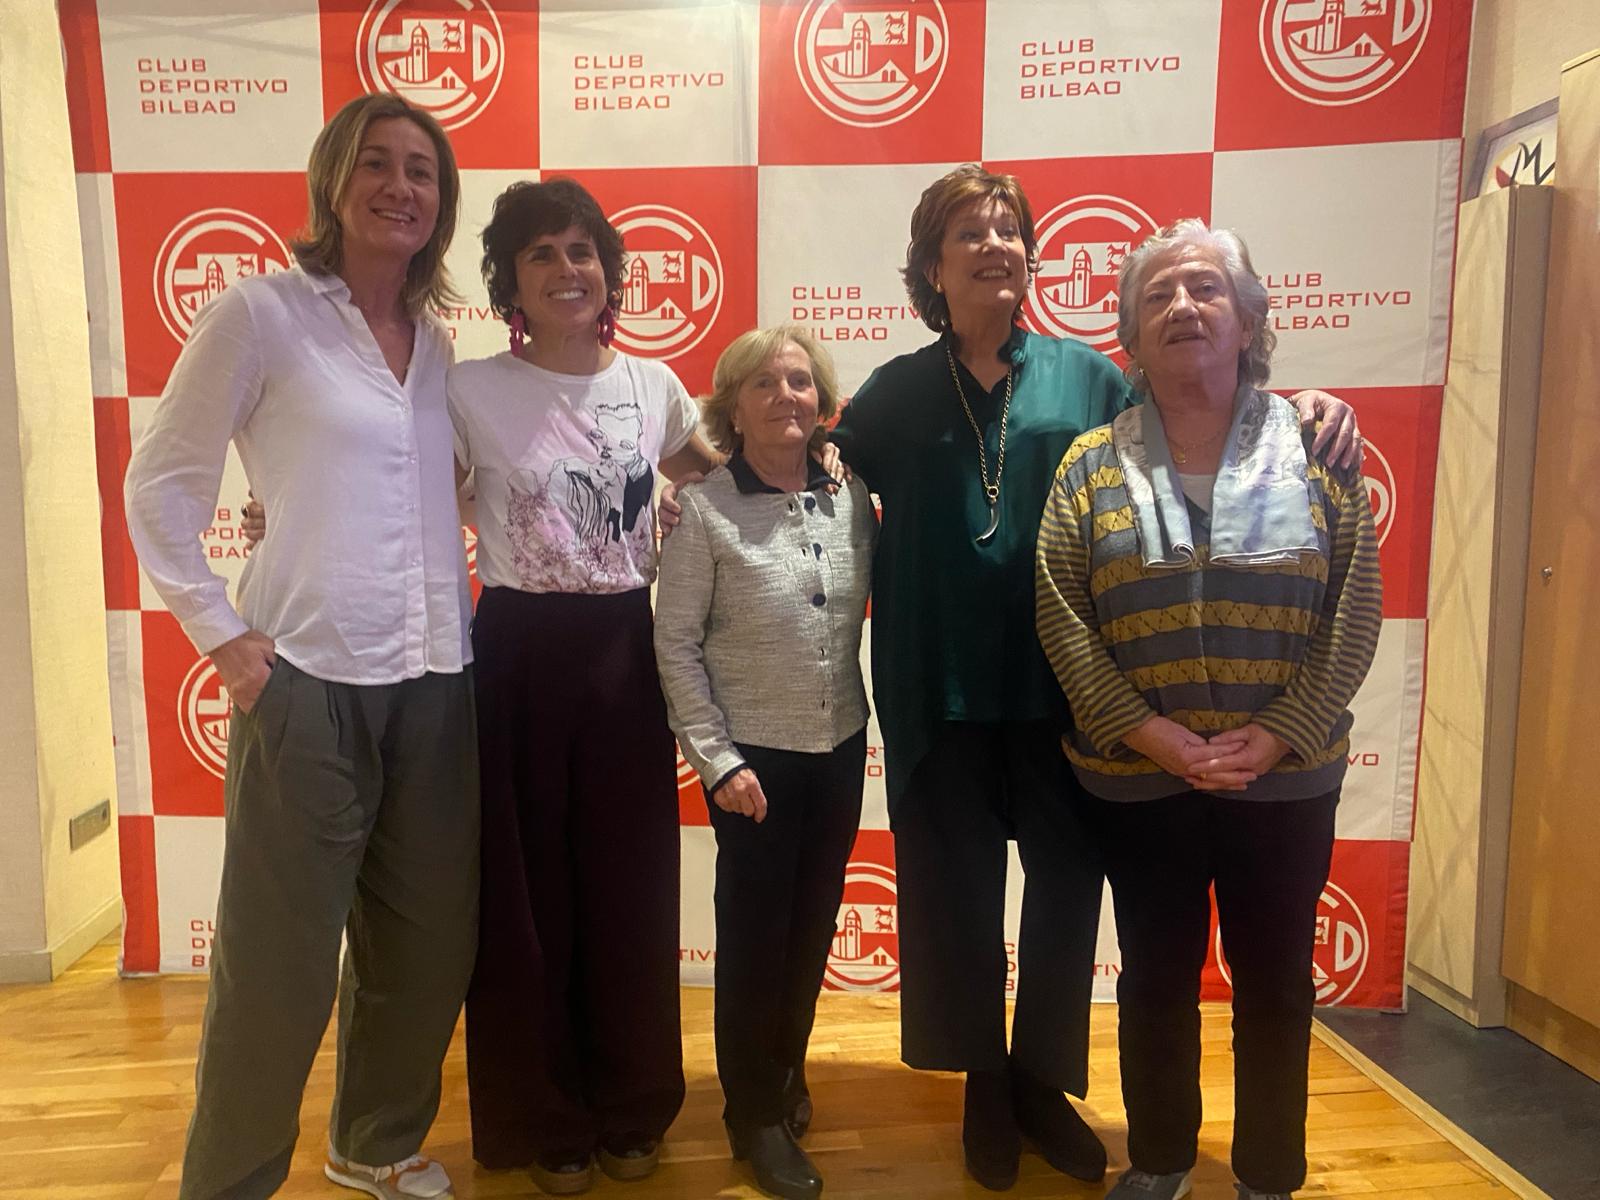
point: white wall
(55, 716)
(1518, 47)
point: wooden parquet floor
(96, 1079)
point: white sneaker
(1141, 1185)
(416, 1178)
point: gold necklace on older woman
(991, 491)
(1182, 450)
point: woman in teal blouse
(960, 440)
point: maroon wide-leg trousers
(572, 1017)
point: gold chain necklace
(991, 491)
(1182, 450)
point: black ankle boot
(781, 1168)
(989, 1130)
(1062, 1137)
(796, 1101)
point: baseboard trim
(43, 966)
(1497, 1167)
(1555, 1030)
(1490, 1014)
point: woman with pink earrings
(573, 1045)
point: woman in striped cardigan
(1208, 596)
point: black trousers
(779, 885)
(1268, 862)
(572, 1016)
(979, 786)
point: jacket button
(819, 599)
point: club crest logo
(1379, 478)
(871, 64)
(1082, 244)
(203, 711)
(448, 63)
(673, 284)
(866, 945)
(1342, 946)
(1337, 52)
(207, 252)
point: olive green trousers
(352, 812)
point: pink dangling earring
(608, 325)
(519, 330)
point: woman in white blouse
(758, 635)
(351, 781)
(573, 1041)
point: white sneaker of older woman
(1142, 1185)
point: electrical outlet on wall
(89, 824)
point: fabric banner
(762, 161)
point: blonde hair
(746, 355)
(320, 247)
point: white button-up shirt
(362, 577)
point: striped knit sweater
(1209, 646)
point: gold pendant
(1179, 455)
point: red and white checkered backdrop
(762, 160)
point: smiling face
(1189, 322)
(390, 203)
(983, 262)
(776, 408)
(561, 283)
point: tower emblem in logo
(871, 64)
(1341, 946)
(1337, 52)
(1082, 243)
(672, 286)
(1379, 478)
(205, 253)
(448, 64)
(866, 947)
(203, 709)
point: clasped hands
(1225, 762)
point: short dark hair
(940, 201)
(527, 211)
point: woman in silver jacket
(762, 592)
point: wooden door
(1552, 937)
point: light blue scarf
(1260, 504)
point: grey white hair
(1255, 360)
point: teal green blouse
(952, 621)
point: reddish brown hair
(942, 199)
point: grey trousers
(350, 809)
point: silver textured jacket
(759, 607)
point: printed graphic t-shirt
(565, 468)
